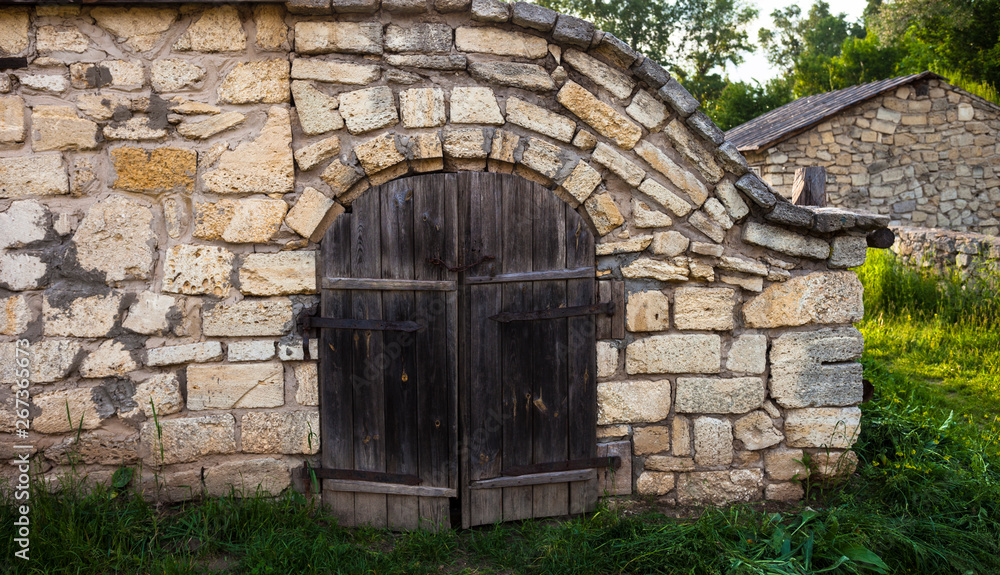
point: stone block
(216, 30)
(424, 38)
(154, 171)
(632, 401)
(719, 395)
(757, 191)
(161, 391)
(704, 308)
(378, 154)
(815, 298)
(281, 273)
(525, 76)
(726, 192)
(542, 157)
(604, 213)
(19, 272)
(51, 360)
(784, 464)
(836, 465)
(465, 144)
(654, 483)
(44, 82)
(15, 314)
(205, 129)
(247, 477)
(645, 216)
(755, 284)
(307, 384)
(248, 385)
(826, 427)
(490, 10)
(707, 226)
(674, 354)
(651, 73)
(743, 265)
(651, 439)
(368, 109)
(603, 118)
(248, 318)
(187, 353)
(787, 492)
(720, 487)
(23, 223)
(259, 82)
(78, 314)
(116, 239)
(100, 447)
(817, 368)
(488, 40)
(422, 107)
(137, 128)
(648, 111)
(192, 269)
(848, 251)
(527, 15)
(272, 33)
(713, 441)
(12, 126)
(670, 244)
(573, 31)
(668, 463)
(619, 84)
(14, 24)
(631, 245)
(748, 354)
(678, 97)
(693, 150)
(175, 74)
(665, 198)
(254, 350)
(65, 411)
(582, 181)
(756, 431)
(685, 181)
(647, 311)
(340, 177)
(289, 432)
(108, 360)
(188, 438)
(59, 128)
(475, 105)
(339, 37)
(660, 270)
(35, 175)
(443, 62)
(607, 359)
(785, 241)
(308, 212)
(316, 111)
(260, 166)
(308, 157)
(334, 72)
(540, 120)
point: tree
(741, 102)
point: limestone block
(720, 487)
(422, 107)
(248, 385)
(704, 308)
(647, 311)
(15, 314)
(619, 84)
(340, 37)
(604, 213)
(719, 395)
(20, 272)
(848, 251)
(756, 431)
(743, 265)
(612, 431)
(334, 72)
(503, 146)
(121, 74)
(651, 439)
(247, 477)
(748, 354)
(340, 177)
(151, 314)
(632, 401)
(585, 140)
(205, 129)
(255, 350)
(186, 353)
(827, 427)
(525, 76)
(174, 74)
(465, 144)
(263, 165)
(817, 368)
(99, 447)
(787, 492)
(116, 238)
(573, 31)
(705, 225)
(829, 464)
(64, 411)
(51, 360)
(378, 154)
(685, 181)
(290, 432)
(631, 245)
(674, 354)
(540, 120)
(644, 216)
(527, 15)
(713, 441)
(257, 82)
(77, 314)
(14, 23)
(542, 157)
(310, 156)
(665, 198)
(23, 223)
(188, 438)
(474, 105)
(819, 297)
(154, 171)
(307, 213)
(755, 284)
(272, 33)
(248, 318)
(693, 151)
(307, 384)
(607, 359)
(279, 273)
(110, 359)
(625, 169)
(423, 38)
(489, 40)
(59, 128)
(668, 463)
(192, 269)
(448, 62)
(12, 126)
(648, 111)
(316, 111)
(615, 481)
(654, 483)
(582, 181)
(135, 128)
(368, 109)
(726, 192)
(489, 10)
(785, 241)
(669, 244)
(603, 118)
(138, 29)
(245, 221)
(44, 82)
(680, 429)
(783, 464)
(660, 270)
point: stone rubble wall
(947, 251)
(928, 161)
(166, 173)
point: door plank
(537, 479)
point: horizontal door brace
(389, 488)
(555, 313)
(356, 475)
(576, 273)
(536, 479)
(310, 322)
(387, 284)
(613, 462)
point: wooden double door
(457, 355)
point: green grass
(925, 498)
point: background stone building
(914, 148)
(174, 182)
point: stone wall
(924, 160)
(947, 251)
(166, 173)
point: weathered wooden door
(457, 354)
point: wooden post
(809, 188)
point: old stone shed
(516, 247)
(914, 148)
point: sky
(756, 66)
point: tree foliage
(740, 102)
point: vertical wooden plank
(484, 421)
(400, 377)
(618, 320)
(369, 400)
(464, 207)
(433, 234)
(581, 361)
(550, 397)
(604, 321)
(335, 369)
(516, 344)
